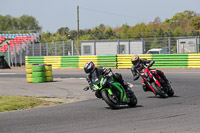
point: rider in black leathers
(95, 72)
(138, 66)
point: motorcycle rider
(138, 66)
(94, 72)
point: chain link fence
(162, 45)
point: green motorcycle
(112, 92)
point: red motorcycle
(152, 80)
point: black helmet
(89, 67)
(135, 59)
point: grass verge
(9, 103)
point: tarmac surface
(152, 114)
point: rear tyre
(110, 100)
(159, 91)
(133, 99)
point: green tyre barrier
(38, 80)
(38, 68)
(38, 74)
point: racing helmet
(89, 67)
(135, 59)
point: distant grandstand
(17, 42)
(13, 39)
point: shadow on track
(161, 97)
(125, 107)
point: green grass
(10, 103)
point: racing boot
(145, 88)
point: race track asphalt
(178, 114)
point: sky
(54, 14)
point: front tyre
(110, 100)
(170, 92)
(158, 90)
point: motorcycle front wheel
(110, 100)
(170, 92)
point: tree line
(14, 24)
(181, 24)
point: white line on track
(76, 78)
(7, 73)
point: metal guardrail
(118, 61)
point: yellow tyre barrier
(29, 71)
(48, 74)
(29, 66)
(29, 80)
(48, 67)
(49, 79)
(29, 75)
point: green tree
(29, 23)
(25, 22)
(63, 31)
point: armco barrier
(193, 60)
(118, 61)
(84, 59)
(55, 61)
(69, 61)
(170, 60)
(109, 61)
(124, 61)
(34, 59)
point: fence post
(26, 47)
(118, 41)
(15, 53)
(55, 46)
(129, 46)
(169, 42)
(8, 53)
(63, 45)
(33, 48)
(20, 52)
(72, 47)
(94, 44)
(47, 53)
(143, 43)
(197, 47)
(40, 47)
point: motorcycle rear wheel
(158, 90)
(114, 104)
(133, 99)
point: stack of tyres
(48, 73)
(29, 71)
(38, 73)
